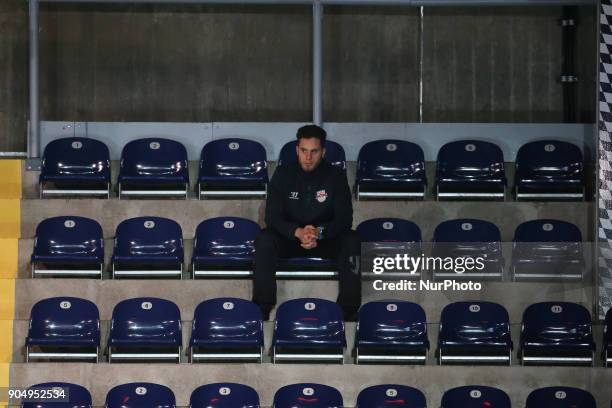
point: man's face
(310, 153)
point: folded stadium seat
(308, 329)
(474, 332)
(469, 238)
(391, 331)
(226, 329)
(307, 395)
(223, 247)
(391, 396)
(63, 328)
(390, 169)
(549, 169)
(75, 166)
(224, 395)
(334, 154)
(140, 395)
(470, 169)
(153, 167)
(148, 247)
(68, 246)
(475, 396)
(71, 396)
(233, 168)
(607, 341)
(382, 237)
(557, 333)
(547, 250)
(560, 397)
(145, 329)
(306, 268)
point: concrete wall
(187, 63)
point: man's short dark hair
(310, 131)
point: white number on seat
(475, 394)
(392, 307)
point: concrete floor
(266, 378)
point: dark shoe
(350, 314)
(265, 312)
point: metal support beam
(317, 62)
(34, 133)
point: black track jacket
(297, 198)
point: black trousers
(344, 249)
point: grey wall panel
(492, 65)
(371, 60)
(176, 63)
(13, 75)
(196, 63)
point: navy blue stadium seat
(557, 333)
(140, 394)
(63, 328)
(474, 332)
(145, 329)
(549, 169)
(226, 329)
(68, 246)
(470, 169)
(223, 247)
(233, 168)
(304, 267)
(390, 169)
(153, 167)
(547, 250)
(386, 237)
(308, 329)
(224, 395)
(391, 396)
(334, 154)
(469, 238)
(607, 341)
(560, 397)
(148, 247)
(392, 331)
(75, 166)
(475, 396)
(77, 396)
(308, 395)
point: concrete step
(428, 213)
(189, 213)
(26, 247)
(517, 381)
(187, 294)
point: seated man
(309, 213)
